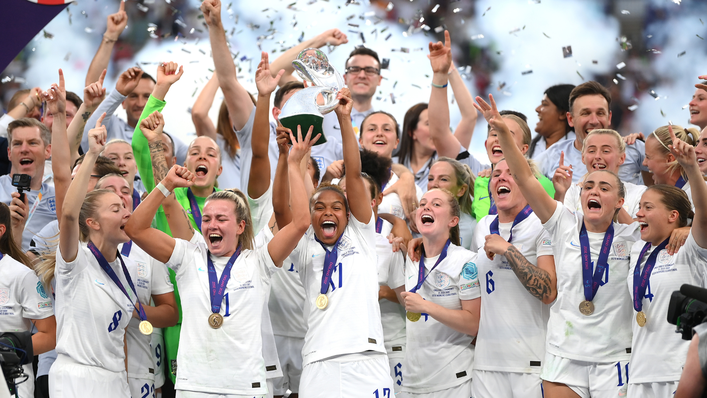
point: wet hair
(226, 130)
(507, 112)
(315, 166)
(559, 95)
(456, 212)
(102, 167)
(662, 134)
(674, 198)
(8, 246)
(325, 186)
(109, 175)
(44, 132)
(395, 122)
(284, 89)
(463, 176)
(116, 141)
(361, 50)
(590, 88)
(621, 145)
(89, 209)
(242, 212)
(412, 117)
(375, 166)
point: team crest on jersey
(40, 290)
(4, 296)
(469, 271)
(141, 270)
(664, 257)
(620, 249)
(442, 280)
(239, 274)
(345, 247)
(52, 204)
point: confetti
(487, 10)
(624, 43)
(180, 23)
(615, 81)
(456, 10)
(620, 65)
(682, 53)
(546, 35)
(580, 75)
(566, 52)
(67, 56)
(385, 62)
(699, 37)
(527, 72)
(516, 30)
(620, 76)
(662, 113)
(186, 51)
(685, 107)
(389, 6)
(632, 107)
(48, 35)
(392, 98)
(625, 12)
(501, 85)
(654, 51)
(533, 1)
(388, 37)
(88, 30)
(700, 19)
(6, 79)
(434, 10)
(654, 94)
(142, 8)
(439, 29)
(475, 37)
(595, 62)
(677, 2)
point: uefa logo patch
(40, 290)
(469, 271)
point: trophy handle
(330, 101)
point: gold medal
(641, 319)
(586, 307)
(413, 316)
(322, 301)
(145, 328)
(215, 320)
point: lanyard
(111, 274)
(421, 277)
(127, 246)
(520, 217)
(35, 205)
(195, 211)
(136, 199)
(640, 279)
(591, 283)
(217, 289)
(492, 209)
(379, 225)
(329, 263)
(680, 182)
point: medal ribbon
(492, 210)
(680, 182)
(136, 199)
(379, 225)
(591, 284)
(520, 217)
(195, 211)
(218, 289)
(640, 279)
(329, 263)
(112, 275)
(421, 277)
(127, 246)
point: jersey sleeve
(160, 278)
(366, 230)
(260, 209)
(543, 244)
(695, 258)
(481, 204)
(560, 220)
(183, 252)
(396, 272)
(78, 264)
(35, 302)
(267, 266)
(299, 254)
(245, 137)
(469, 287)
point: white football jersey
(438, 357)
(260, 210)
(631, 201)
(150, 277)
(206, 358)
(286, 303)
(467, 225)
(605, 335)
(351, 323)
(658, 354)
(513, 322)
(392, 314)
(92, 313)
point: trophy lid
(313, 66)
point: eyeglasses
(370, 71)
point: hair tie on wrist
(440, 86)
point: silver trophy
(307, 107)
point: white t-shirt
(261, 210)
(467, 225)
(22, 300)
(513, 322)
(150, 277)
(392, 314)
(228, 360)
(351, 323)
(44, 213)
(437, 356)
(605, 335)
(92, 313)
(631, 201)
(231, 173)
(658, 354)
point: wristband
(109, 40)
(25, 105)
(163, 189)
(440, 86)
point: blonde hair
(527, 135)
(247, 238)
(619, 140)
(619, 184)
(662, 135)
(464, 176)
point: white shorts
(26, 389)
(69, 379)
(289, 350)
(652, 390)
(348, 376)
(158, 357)
(395, 361)
(489, 384)
(194, 394)
(461, 391)
(141, 388)
(604, 379)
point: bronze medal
(413, 316)
(145, 328)
(586, 307)
(641, 319)
(215, 320)
(322, 301)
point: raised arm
(685, 155)
(61, 160)
(543, 205)
(115, 24)
(69, 221)
(259, 179)
(332, 37)
(355, 188)
(288, 236)
(281, 186)
(405, 188)
(438, 109)
(93, 95)
(30, 102)
(465, 128)
(200, 111)
(237, 98)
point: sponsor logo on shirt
(575, 244)
(40, 290)
(469, 272)
(99, 283)
(547, 242)
(44, 304)
(4, 295)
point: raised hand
(128, 80)
(212, 12)
(116, 23)
(169, 73)
(97, 136)
(633, 137)
(415, 249)
(283, 139)
(684, 153)
(701, 85)
(152, 126)
(562, 179)
(55, 97)
(18, 211)
(264, 81)
(335, 170)
(494, 245)
(178, 177)
(441, 55)
(491, 114)
(94, 93)
(345, 103)
(301, 147)
(332, 37)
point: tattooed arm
(540, 280)
(93, 95)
